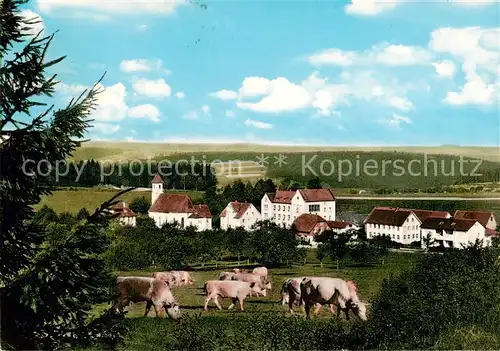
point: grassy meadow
(122, 151)
(151, 333)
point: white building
(125, 215)
(487, 219)
(307, 226)
(400, 224)
(454, 232)
(177, 208)
(239, 214)
(283, 207)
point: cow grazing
(253, 278)
(236, 290)
(155, 292)
(168, 277)
(291, 294)
(335, 291)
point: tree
(47, 290)
(140, 205)
(82, 214)
(334, 245)
(314, 183)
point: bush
(444, 292)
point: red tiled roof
(317, 195)
(201, 211)
(157, 180)
(283, 196)
(491, 232)
(338, 224)
(481, 216)
(388, 216)
(124, 210)
(238, 207)
(462, 225)
(424, 214)
(306, 222)
(172, 203)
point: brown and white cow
(291, 294)
(335, 291)
(155, 292)
(236, 290)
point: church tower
(157, 188)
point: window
(412, 219)
(274, 207)
(313, 208)
(404, 237)
(398, 237)
(265, 207)
(279, 216)
(279, 207)
(288, 217)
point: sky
(282, 72)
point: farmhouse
(454, 232)
(400, 224)
(308, 225)
(125, 215)
(283, 207)
(487, 219)
(177, 208)
(239, 214)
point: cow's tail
(205, 288)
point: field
(191, 298)
(73, 200)
(122, 151)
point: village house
(487, 219)
(125, 215)
(455, 232)
(400, 224)
(177, 208)
(308, 225)
(239, 214)
(284, 206)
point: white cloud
(369, 7)
(225, 94)
(147, 111)
(400, 103)
(474, 47)
(198, 113)
(105, 128)
(333, 57)
(112, 7)
(401, 55)
(152, 88)
(206, 109)
(140, 65)
(258, 124)
(396, 120)
(180, 95)
(142, 27)
(32, 17)
(230, 114)
(282, 95)
(445, 68)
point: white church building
(177, 208)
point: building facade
(239, 214)
(284, 206)
(487, 219)
(454, 232)
(400, 224)
(125, 215)
(308, 225)
(177, 208)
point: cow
(168, 277)
(291, 294)
(155, 292)
(236, 290)
(333, 291)
(253, 278)
(240, 270)
(183, 277)
(227, 275)
(260, 271)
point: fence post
(248, 261)
(215, 264)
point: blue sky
(337, 73)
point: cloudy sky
(340, 73)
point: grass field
(121, 151)
(191, 298)
(73, 200)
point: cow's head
(173, 310)
(265, 282)
(257, 289)
(359, 309)
(306, 286)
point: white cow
(155, 292)
(236, 290)
(335, 291)
(291, 294)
